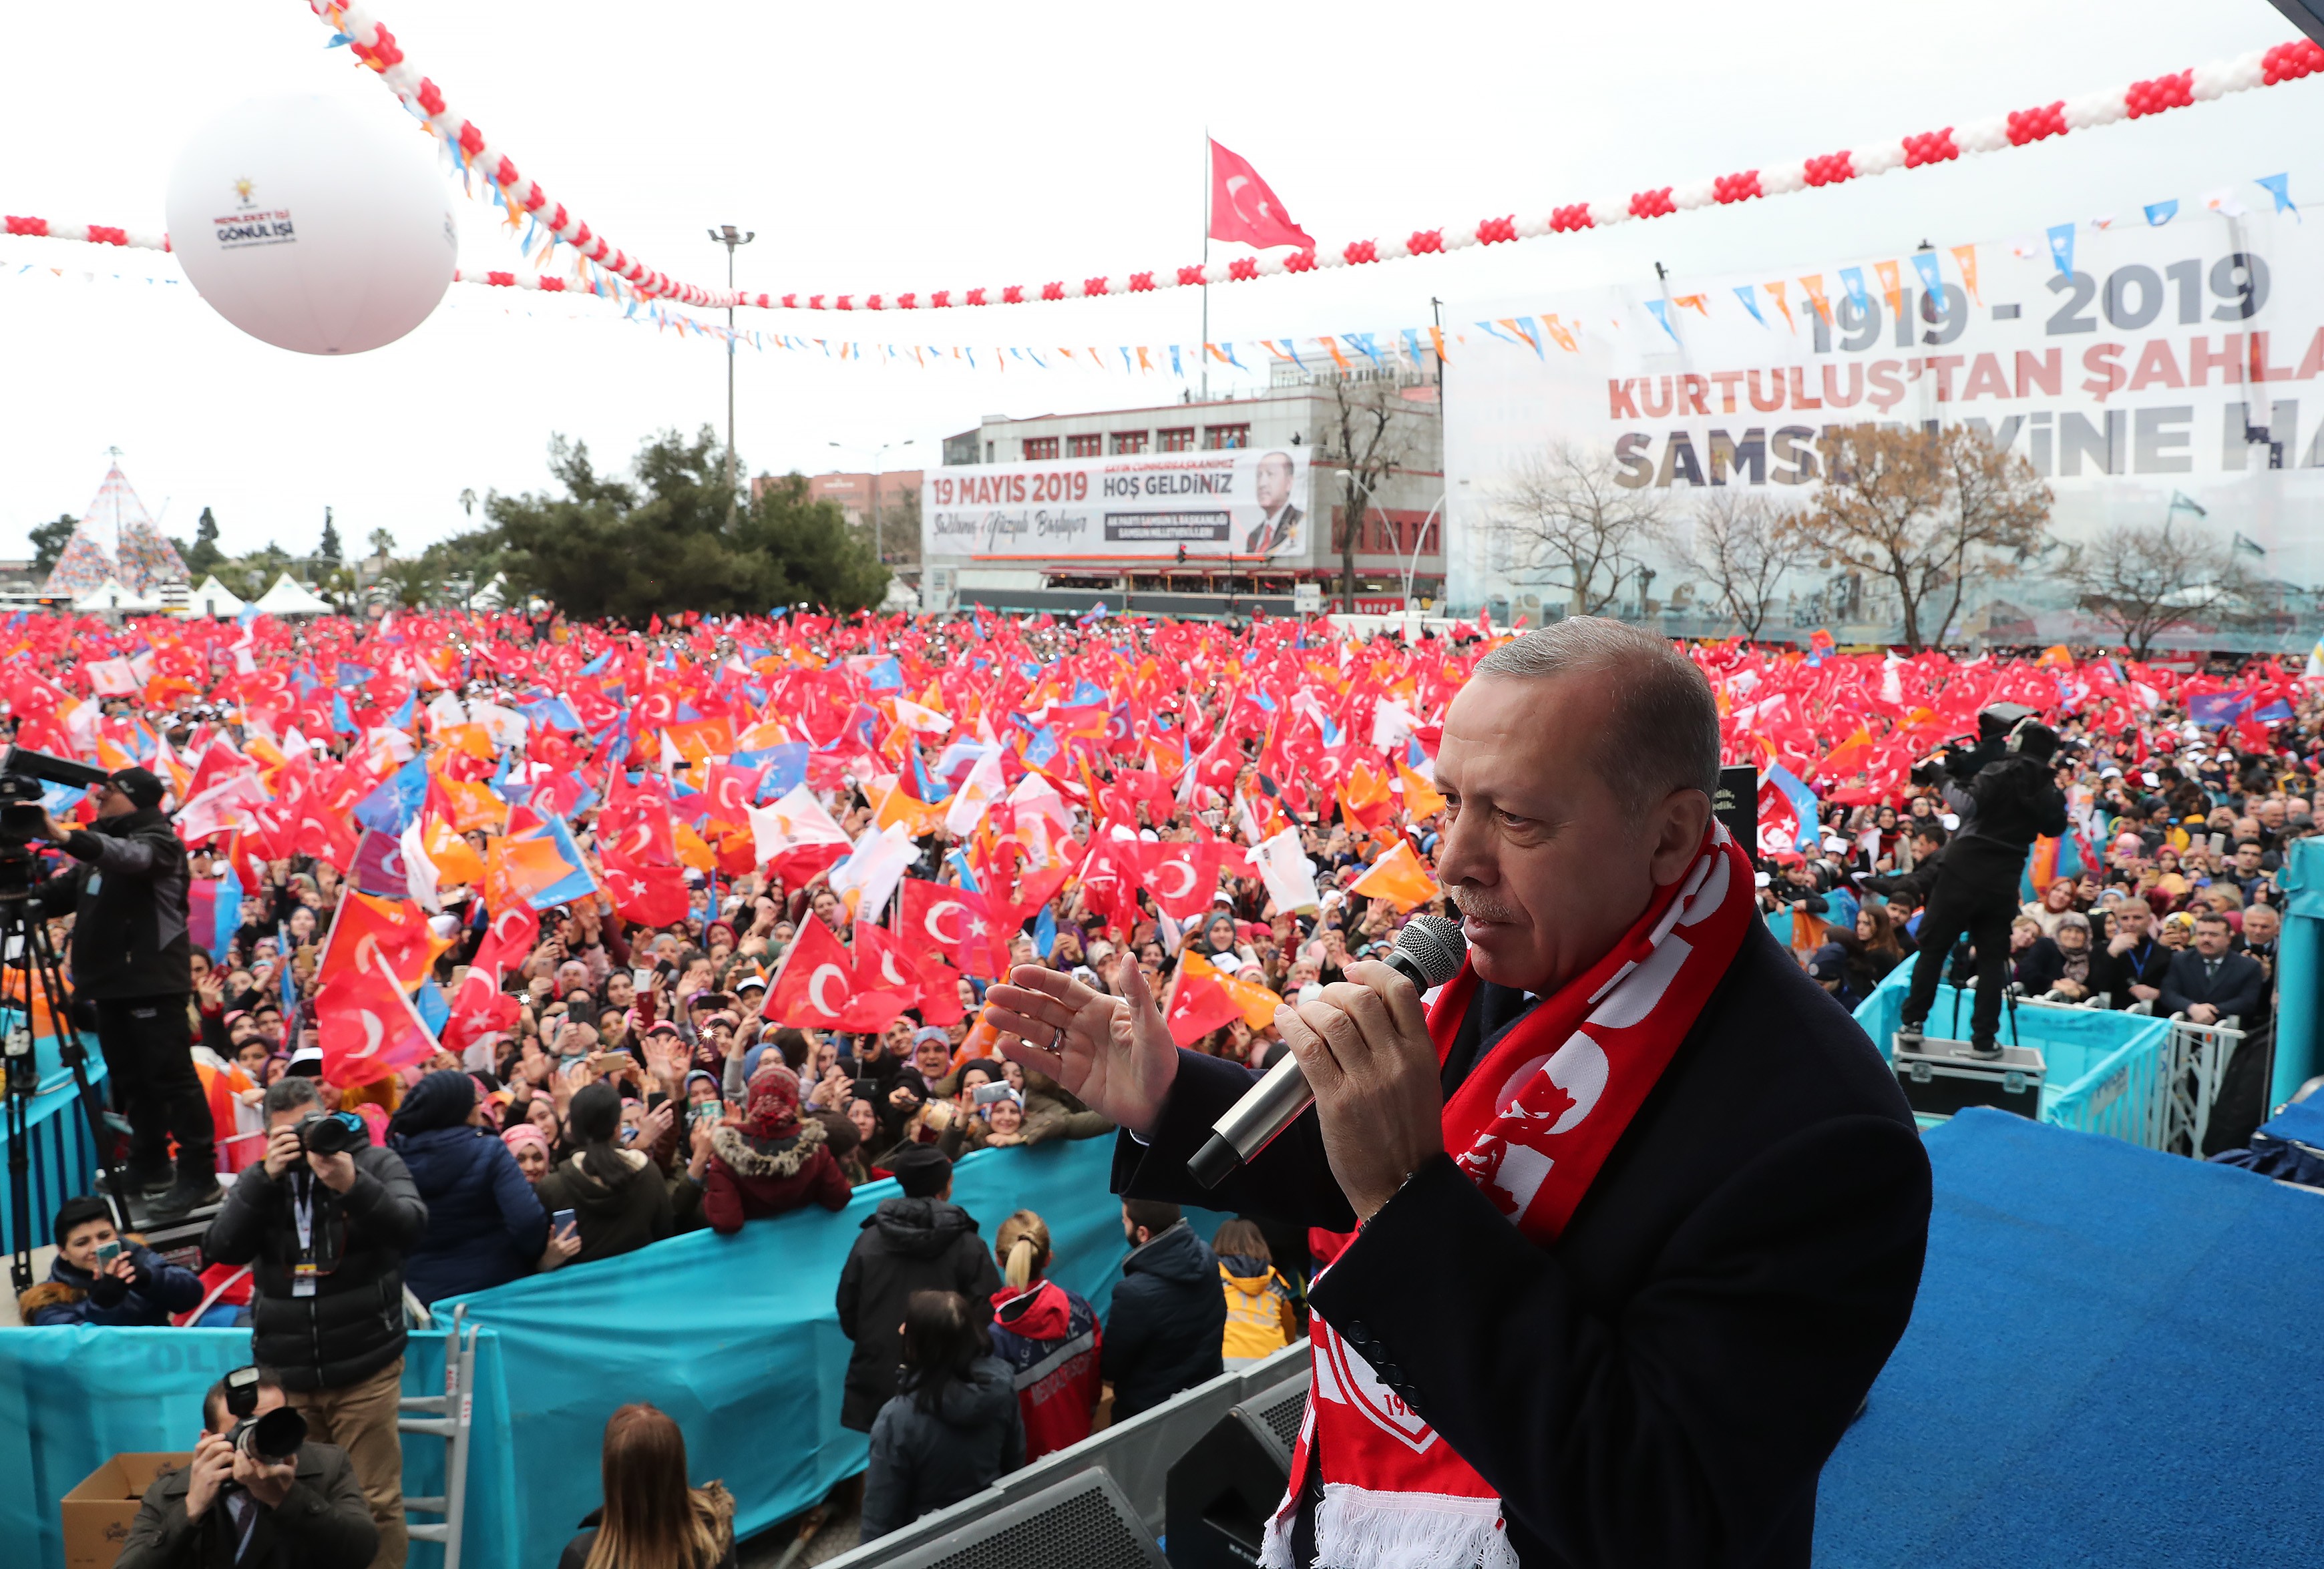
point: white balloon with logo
(313, 224)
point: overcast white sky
(925, 146)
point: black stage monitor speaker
(1083, 1522)
(1220, 1495)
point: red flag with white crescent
(816, 981)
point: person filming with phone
(1639, 1211)
(100, 1277)
(259, 1494)
(325, 1223)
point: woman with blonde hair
(1260, 1317)
(1047, 1335)
(652, 1518)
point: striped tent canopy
(114, 539)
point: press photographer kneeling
(324, 1222)
(258, 1493)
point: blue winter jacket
(161, 1289)
(485, 1226)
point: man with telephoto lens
(324, 1222)
(2005, 792)
(260, 1493)
(133, 959)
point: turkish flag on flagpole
(1244, 207)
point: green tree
(660, 543)
(252, 576)
(49, 543)
(202, 558)
(329, 548)
(383, 543)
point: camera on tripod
(272, 1439)
(24, 809)
(331, 1132)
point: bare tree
(1370, 437)
(1566, 521)
(2142, 579)
(1928, 511)
(1741, 543)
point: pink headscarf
(520, 1133)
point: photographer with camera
(258, 1494)
(132, 960)
(324, 1222)
(2006, 795)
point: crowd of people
(692, 926)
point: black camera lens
(328, 1133)
(274, 1437)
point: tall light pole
(879, 456)
(726, 234)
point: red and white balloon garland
(376, 46)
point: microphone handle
(1269, 1107)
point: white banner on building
(2167, 354)
(1251, 501)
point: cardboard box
(98, 1511)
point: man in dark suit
(1278, 523)
(2208, 983)
(1660, 1383)
(2135, 964)
(231, 1508)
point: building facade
(1399, 546)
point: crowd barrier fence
(736, 1337)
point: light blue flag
(2062, 247)
(1749, 296)
(2161, 212)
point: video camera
(23, 809)
(2004, 729)
(331, 1132)
(272, 1439)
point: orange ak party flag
(1397, 878)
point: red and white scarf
(1530, 1126)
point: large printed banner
(1249, 501)
(2132, 364)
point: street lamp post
(726, 234)
(1410, 563)
(879, 456)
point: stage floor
(2108, 1365)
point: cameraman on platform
(324, 1222)
(2006, 794)
(233, 1505)
(133, 959)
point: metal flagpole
(1203, 351)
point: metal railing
(2200, 1055)
(448, 1417)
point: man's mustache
(1480, 907)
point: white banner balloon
(313, 227)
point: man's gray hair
(1664, 735)
(290, 1093)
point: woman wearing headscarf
(485, 1226)
(618, 1198)
(772, 1160)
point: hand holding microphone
(1351, 1035)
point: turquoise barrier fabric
(736, 1337)
(2300, 974)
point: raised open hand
(1114, 1053)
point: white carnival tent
(110, 598)
(214, 600)
(286, 598)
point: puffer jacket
(924, 1461)
(613, 1218)
(1049, 1337)
(907, 1245)
(71, 1296)
(353, 1326)
(749, 1178)
(127, 898)
(1168, 1322)
(486, 1226)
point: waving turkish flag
(480, 1005)
(368, 1027)
(952, 921)
(1198, 1005)
(647, 894)
(881, 962)
(1243, 208)
(816, 983)
(1182, 878)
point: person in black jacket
(324, 1236)
(485, 1226)
(2131, 967)
(952, 1427)
(919, 1243)
(132, 957)
(1169, 1317)
(619, 1200)
(1662, 1380)
(233, 1508)
(2007, 798)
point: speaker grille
(1081, 1532)
(1282, 1415)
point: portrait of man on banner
(1277, 529)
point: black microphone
(1429, 953)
